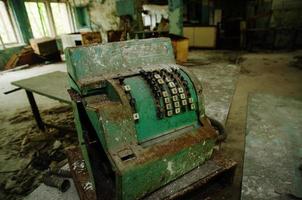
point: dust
(243, 70)
(296, 62)
(26, 152)
(21, 117)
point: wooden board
(53, 85)
(44, 46)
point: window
(61, 18)
(7, 31)
(49, 18)
(38, 19)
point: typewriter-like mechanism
(140, 117)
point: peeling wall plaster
(79, 2)
(102, 13)
(103, 17)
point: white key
(127, 88)
(136, 116)
(177, 110)
(169, 113)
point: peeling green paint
(147, 153)
(82, 17)
(176, 17)
(19, 11)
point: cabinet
(204, 37)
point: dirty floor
(25, 151)
(274, 73)
(273, 147)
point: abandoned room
(150, 99)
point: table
(52, 85)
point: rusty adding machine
(140, 117)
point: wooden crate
(44, 46)
(91, 38)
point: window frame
(69, 13)
(13, 23)
(50, 16)
(49, 29)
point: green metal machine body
(140, 117)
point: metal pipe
(62, 184)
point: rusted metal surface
(173, 146)
(113, 58)
(216, 167)
(140, 109)
(62, 184)
(80, 174)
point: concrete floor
(260, 72)
(273, 147)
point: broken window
(62, 19)
(38, 19)
(7, 32)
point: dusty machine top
(113, 59)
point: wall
(102, 14)
(286, 13)
(176, 17)
(283, 22)
(19, 12)
(103, 17)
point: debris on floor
(296, 62)
(29, 153)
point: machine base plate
(216, 169)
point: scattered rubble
(28, 153)
(296, 62)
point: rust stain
(157, 151)
(116, 112)
(80, 178)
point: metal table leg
(35, 110)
